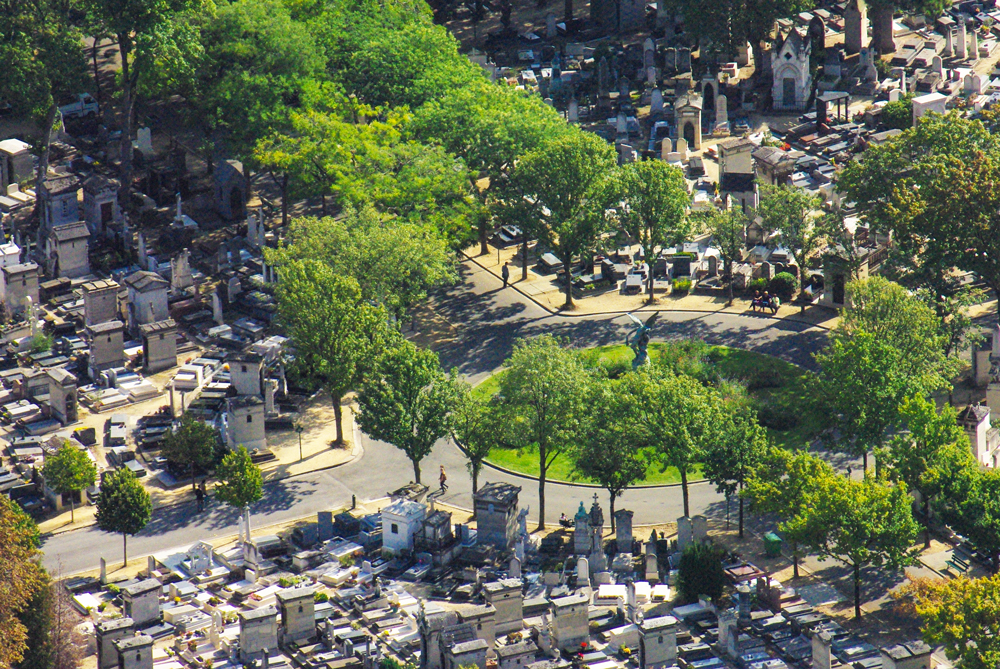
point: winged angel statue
(638, 339)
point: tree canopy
(191, 445)
(241, 482)
(69, 471)
(123, 506)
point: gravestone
(656, 102)
(623, 88)
(743, 595)
(937, 66)
(180, 271)
(621, 124)
(855, 26)
(666, 148)
(550, 26)
(234, 288)
(651, 75)
(894, 95)
(582, 572)
(974, 44)
(623, 530)
(324, 519)
(603, 77)
(699, 528)
(144, 142)
(574, 111)
(766, 271)
(721, 112)
(648, 53)
(200, 556)
(142, 248)
(217, 308)
(728, 632)
(684, 60)
(682, 147)
(104, 571)
(963, 40)
(669, 61)
(949, 43)
(713, 266)
(514, 569)
(685, 533)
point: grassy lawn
(779, 389)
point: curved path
(482, 322)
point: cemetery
(332, 592)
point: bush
(783, 285)
(757, 284)
(759, 378)
(700, 572)
(682, 285)
(776, 417)
(320, 597)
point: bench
(958, 565)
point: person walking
(505, 274)
(199, 494)
(443, 478)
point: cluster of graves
(404, 583)
(655, 97)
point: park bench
(958, 565)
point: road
(484, 320)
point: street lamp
(299, 429)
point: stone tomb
(570, 622)
(100, 301)
(159, 345)
(505, 596)
(258, 632)
(298, 614)
(496, 513)
(142, 601)
(107, 632)
(135, 652)
(658, 642)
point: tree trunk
(475, 482)
(864, 461)
(541, 491)
(284, 200)
(97, 74)
(339, 419)
(72, 509)
(193, 486)
(43, 160)
(729, 289)
(684, 491)
(927, 521)
(524, 257)
(483, 233)
(125, 48)
(881, 20)
(416, 470)
(649, 276)
(857, 592)
(569, 288)
(322, 205)
(612, 508)
(795, 560)
(568, 11)
(124, 550)
(741, 516)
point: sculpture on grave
(638, 339)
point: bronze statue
(638, 339)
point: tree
(960, 614)
(887, 347)
(916, 457)
(331, 326)
(551, 195)
(609, 452)
(679, 421)
(861, 523)
(952, 308)
(407, 401)
(192, 445)
(880, 13)
(123, 506)
(921, 182)
(541, 403)
(898, 114)
(650, 199)
(138, 27)
(491, 128)
(395, 262)
(729, 462)
(240, 480)
(69, 471)
(700, 572)
(728, 230)
(971, 505)
(40, 48)
(50, 621)
(472, 429)
(793, 211)
(782, 485)
(20, 578)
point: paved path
(485, 320)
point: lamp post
(299, 429)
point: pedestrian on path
(444, 479)
(505, 274)
(199, 493)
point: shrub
(757, 284)
(320, 597)
(682, 285)
(700, 572)
(776, 417)
(762, 377)
(783, 285)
